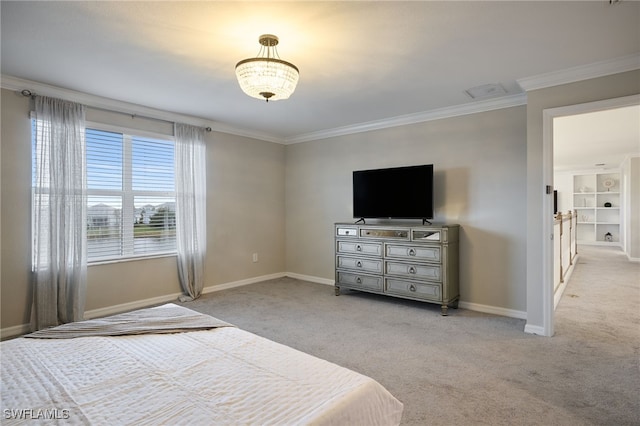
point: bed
(172, 365)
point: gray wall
(480, 183)
(488, 179)
(245, 215)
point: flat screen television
(395, 193)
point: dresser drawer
(360, 264)
(347, 231)
(426, 235)
(412, 270)
(422, 253)
(396, 234)
(427, 291)
(368, 282)
(356, 247)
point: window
(130, 195)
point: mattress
(217, 376)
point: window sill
(130, 259)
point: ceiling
(596, 140)
(361, 63)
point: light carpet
(468, 368)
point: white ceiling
(596, 140)
(360, 62)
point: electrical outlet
(255, 257)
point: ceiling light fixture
(267, 76)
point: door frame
(549, 115)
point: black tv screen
(397, 193)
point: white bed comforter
(223, 376)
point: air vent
(486, 91)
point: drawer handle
(412, 252)
(358, 247)
(412, 270)
(358, 280)
(359, 264)
(412, 287)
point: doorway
(549, 115)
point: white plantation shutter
(104, 194)
(131, 195)
(153, 188)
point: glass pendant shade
(267, 77)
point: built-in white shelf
(596, 200)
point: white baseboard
(557, 295)
(138, 304)
(512, 313)
(534, 329)
(18, 330)
(567, 277)
(129, 306)
(310, 278)
(14, 331)
(234, 284)
(495, 310)
(633, 259)
(111, 310)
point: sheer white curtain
(59, 213)
(191, 208)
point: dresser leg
(337, 290)
(445, 308)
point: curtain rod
(29, 94)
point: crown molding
(569, 75)
(236, 131)
(420, 117)
(583, 72)
(18, 84)
(99, 102)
